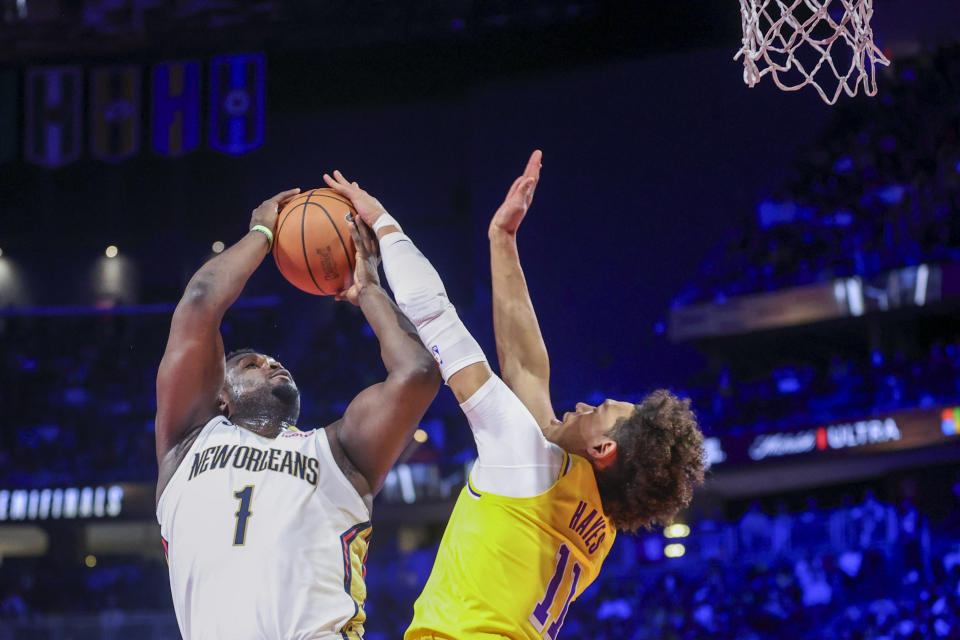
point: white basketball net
(796, 42)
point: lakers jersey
(510, 567)
(265, 538)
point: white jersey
(265, 538)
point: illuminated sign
(836, 436)
(60, 504)
(949, 419)
(907, 429)
(782, 444)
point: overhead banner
(8, 115)
(891, 433)
(237, 102)
(53, 117)
(913, 286)
(53, 102)
(115, 112)
(176, 107)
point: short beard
(280, 403)
(287, 394)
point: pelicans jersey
(265, 538)
(510, 567)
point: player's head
(647, 457)
(256, 385)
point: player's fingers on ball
(287, 198)
(336, 186)
(369, 240)
(283, 195)
(355, 234)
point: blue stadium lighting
(891, 194)
(843, 165)
(788, 384)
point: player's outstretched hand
(266, 214)
(368, 207)
(511, 213)
(366, 272)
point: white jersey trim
(211, 424)
(327, 454)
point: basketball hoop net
(797, 41)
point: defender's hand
(368, 207)
(511, 213)
(266, 214)
(365, 273)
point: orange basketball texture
(312, 246)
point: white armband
(385, 220)
(423, 299)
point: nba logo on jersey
(435, 350)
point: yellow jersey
(510, 567)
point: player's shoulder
(578, 474)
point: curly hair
(660, 458)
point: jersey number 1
(244, 496)
(541, 614)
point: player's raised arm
(421, 295)
(191, 372)
(524, 363)
(514, 457)
(379, 422)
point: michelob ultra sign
(909, 429)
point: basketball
(312, 247)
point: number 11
(541, 613)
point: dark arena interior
(791, 267)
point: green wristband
(262, 229)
